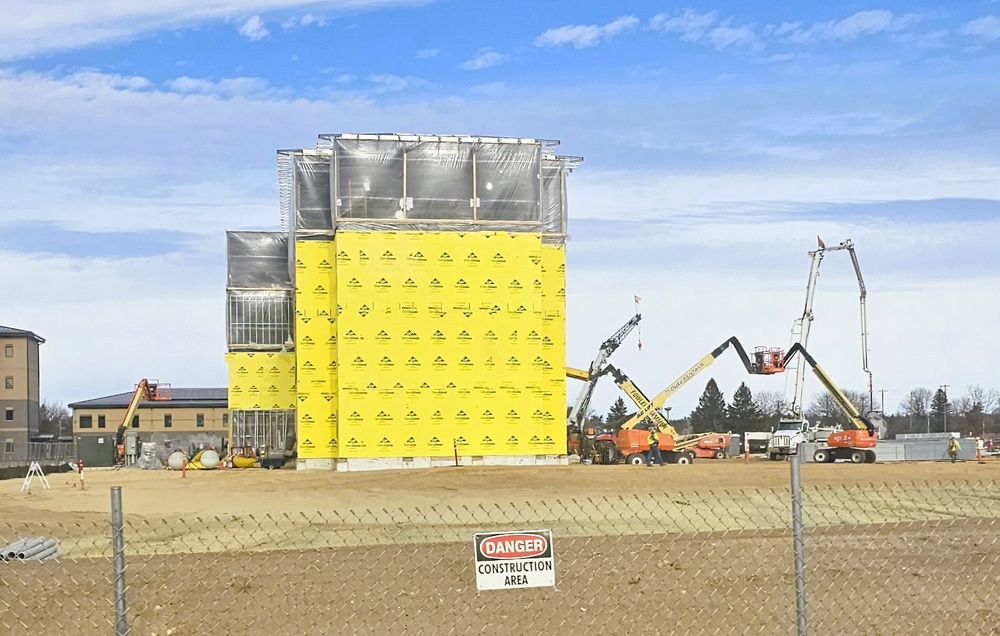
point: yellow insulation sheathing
(261, 381)
(444, 339)
(316, 348)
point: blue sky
(719, 140)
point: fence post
(118, 546)
(798, 547)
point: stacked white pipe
(36, 548)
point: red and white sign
(507, 560)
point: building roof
(179, 398)
(11, 332)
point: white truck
(790, 433)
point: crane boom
(805, 322)
(578, 413)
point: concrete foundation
(401, 463)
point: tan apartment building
(178, 418)
(19, 394)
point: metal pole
(118, 545)
(944, 388)
(798, 548)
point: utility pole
(944, 387)
(882, 401)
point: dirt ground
(706, 546)
(164, 493)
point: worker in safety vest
(654, 448)
(953, 449)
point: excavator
(576, 442)
(631, 442)
(144, 390)
(854, 444)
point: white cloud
(691, 25)
(781, 29)
(230, 87)
(387, 82)
(583, 36)
(304, 21)
(724, 35)
(485, 58)
(253, 29)
(424, 54)
(30, 27)
(986, 28)
(703, 28)
(931, 40)
(854, 26)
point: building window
(135, 421)
(101, 421)
(8, 382)
(201, 420)
(86, 421)
(8, 414)
(8, 351)
(225, 419)
(8, 446)
(168, 421)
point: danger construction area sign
(508, 560)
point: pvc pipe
(29, 553)
(11, 551)
(47, 553)
(29, 544)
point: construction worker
(654, 448)
(953, 449)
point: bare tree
(975, 405)
(769, 404)
(916, 406)
(826, 409)
(54, 419)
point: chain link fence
(911, 558)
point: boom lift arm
(854, 443)
(144, 390)
(858, 421)
(578, 413)
(765, 362)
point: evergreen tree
(710, 414)
(940, 409)
(743, 414)
(617, 414)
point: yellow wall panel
(261, 380)
(434, 338)
(316, 349)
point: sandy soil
(162, 494)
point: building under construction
(411, 309)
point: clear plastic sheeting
(286, 168)
(424, 183)
(437, 178)
(257, 260)
(312, 192)
(369, 177)
(259, 319)
(553, 196)
(273, 429)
